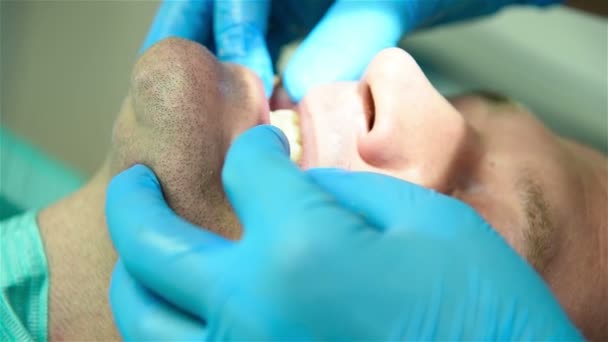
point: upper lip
(336, 110)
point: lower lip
(306, 136)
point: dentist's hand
(352, 32)
(345, 36)
(234, 30)
(325, 255)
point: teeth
(289, 122)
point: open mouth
(325, 127)
(289, 122)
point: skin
(544, 194)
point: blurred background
(64, 70)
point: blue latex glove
(234, 30)
(352, 32)
(321, 258)
(348, 35)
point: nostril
(369, 106)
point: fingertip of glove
(253, 147)
(130, 181)
(280, 136)
(293, 84)
(140, 170)
(268, 82)
(137, 172)
(256, 140)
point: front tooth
(289, 122)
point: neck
(596, 201)
(594, 286)
(80, 258)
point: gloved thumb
(268, 191)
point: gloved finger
(189, 19)
(268, 191)
(382, 200)
(344, 42)
(240, 36)
(168, 255)
(142, 316)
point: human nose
(413, 131)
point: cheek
(331, 126)
(506, 220)
(187, 157)
(495, 199)
(243, 102)
(184, 111)
(507, 136)
(124, 139)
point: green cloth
(24, 280)
(29, 178)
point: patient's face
(539, 191)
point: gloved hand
(325, 255)
(339, 47)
